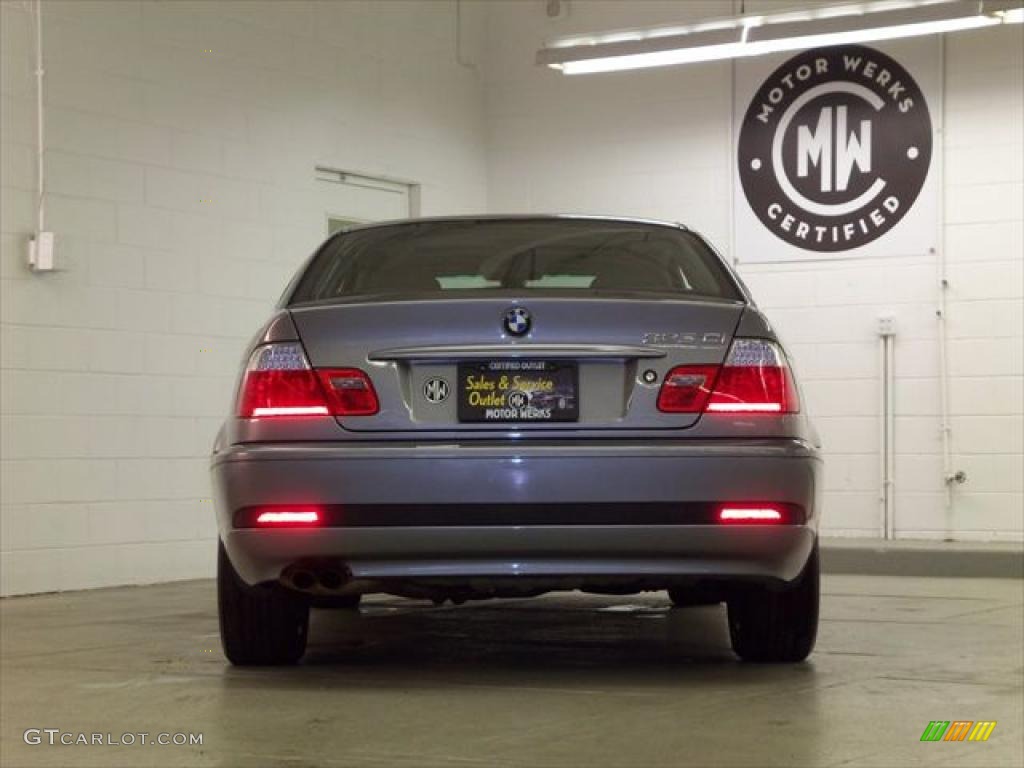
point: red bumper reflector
(289, 517)
(749, 515)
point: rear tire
(261, 625)
(777, 626)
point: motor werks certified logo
(835, 147)
(436, 390)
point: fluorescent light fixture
(757, 35)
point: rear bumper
(582, 474)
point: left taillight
(279, 382)
(349, 391)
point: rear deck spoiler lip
(533, 351)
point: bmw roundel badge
(517, 321)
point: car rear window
(435, 259)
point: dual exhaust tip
(317, 578)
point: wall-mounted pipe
(462, 62)
(890, 437)
(950, 477)
(40, 135)
(886, 426)
(883, 464)
(40, 247)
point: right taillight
(754, 379)
(686, 388)
(279, 382)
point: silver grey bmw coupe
(501, 406)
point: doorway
(349, 199)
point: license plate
(518, 390)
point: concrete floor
(566, 680)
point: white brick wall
(655, 143)
(985, 247)
(117, 370)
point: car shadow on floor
(573, 680)
(567, 641)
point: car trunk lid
(606, 357)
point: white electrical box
(40, 253)
(887, 325)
